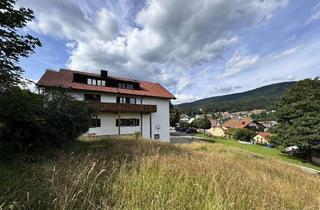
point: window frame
(128, 122)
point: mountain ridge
(258, 98)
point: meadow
(139, 174)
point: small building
(262, 138)
(184, 118)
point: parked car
(182, 129)
(292, 150)
(191, 130)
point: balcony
(117, 107)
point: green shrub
(29, 120)
(242, 134)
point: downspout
(119, 132)
(141, 116)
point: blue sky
(196, 49)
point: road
(183, 138)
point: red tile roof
(235, 123)
(64, 79)
(264, 134)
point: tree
(184, 124)
(202, 123)
(13, 46)
(241, 134)
(298, 115)
(174, 115)
(29, 121)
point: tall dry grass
(137, 174)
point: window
(127, 122)
(126, 100)
(156, 136)
(98, 82)
(95, 123)
(125, 85)
(121, 85)
(92, 97)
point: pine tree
(298, 115)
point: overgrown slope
(136, 174)
(260, 98)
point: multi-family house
(124, 106)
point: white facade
(159, 120)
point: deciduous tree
(13, 45)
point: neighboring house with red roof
(262, 138)
(125, 106)
(243, 123)
(247, 123)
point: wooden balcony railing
(115, 107)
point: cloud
(184, 98)
(159, 40)
(239, 63)
(225, 89)
(315, 15)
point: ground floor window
(127, 122)
(95, 123)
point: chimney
(104, 73)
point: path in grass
(267, 152)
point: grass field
(261, 150)
(138, 174)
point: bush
(242, 134)
(202, 123)
(183, 124)
(29, 121)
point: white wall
(108, 124)
(160, 119)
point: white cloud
(238, 63)
(164, 41)
(315, 15)
(183, 98)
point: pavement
(183, 138)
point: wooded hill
(259, 98)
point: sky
(194, 48)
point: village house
(224, 129)
(262, 138)
(125, 106)
(248, 123)
(184, 118)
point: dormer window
(97, 82)
(125, 85)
